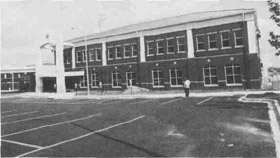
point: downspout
(245, 54)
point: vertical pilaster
(60, 78)
(104, 55)
(190, 43)
(73, 58)
(252, 38)
(142, 49)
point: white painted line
(22, 144)
(143, 101)
(82, 136)
(50, 125)
(205, 100)
(170, 101)
(3, 112)
(19, 114)
(34, 118)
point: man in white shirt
(187, 87)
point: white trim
(224, 31)
(94, 72)
(210, 75)
(233, 84)
(148, 48)
(200, 50)
(116, 51)
(108, 52)
(208, 40)
(167, 39)
(155, 86)
(84, 54)
(117, 72)
(127, 81)
(157, 44)
(170, 79)
(234, 35)
(77, 55)
(124, 50)
(92, 50)
(178, 44)
(96, 54)
(132, 50)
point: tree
(274, 8)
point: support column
(39, 84)
(104, 55)
(73, 58)
(142, 49)
(60, 78)
(190, 43)
(252, 41)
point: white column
(60, 78)
(104, 55)
(73, 58)
(38, 70)
(39, 83)
(190, 43)
(252, 38)
(142, 49)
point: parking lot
(190, 127)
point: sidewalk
(120, 95)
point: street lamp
(85, 40)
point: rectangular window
(91, 55)
(131, 78)
(110, 53)
(212, 41)
(83, 82)
(170, 45)
(84, 56)
(150, 48)
(158, 78)
(233, 74)
(181, 44)
(200, 40)
(98, 54)
(225, 39)
(94, 80)
(134, 48)
(210, 76)
(118, 52)
(79, 57)
(239, 38)
(176, 77)
(160, 46)
(116, 79)
(126, 51)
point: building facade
(215, 50)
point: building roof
(181, 19)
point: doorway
(49, 84)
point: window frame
(234, 34)
(116, 72)
(210, 76)
(116, 51)
(94, 79)
(77, 56)
(125, 50)
(178, 44)
(127, 81)
(221, 36)
(176, 77)
(91, 54)
(148, 48)
(208, 40)
(83, 80)
(168, 39)
(108, 51)
(232, 67)
(96, 53)
(133, 49)
(157, 86)
(196, 38)
(84, 56)
(157, 45)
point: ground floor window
(94, 80)
(210, 76)
(131, 75)
(176, 77)
(116, 79)
(158, 78)
(233, 74)
(83, 82)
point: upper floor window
(176, 77)
(116, 79)
(233, 74)
(134, 49)
(212, 41)
(210, 76)
(84, 56)
(110, 53)
(239, 38)
(91, 55)
(98, 54)
(126, 51)
(200, 40)
(66, 58)
(150, 48)
(225, 39)
(118, 52)
(170, 45)
(157, 78)
(79, 57)
(181, 44)
(160, 46)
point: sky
(24, 23)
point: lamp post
(85, 40)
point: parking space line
(50, 125)
(34, 118)
(143, 101)
(170, 101)
(117, 101)
(3, 112)
(22, 144)
(82, 136)
(19, 114)
(203, 101)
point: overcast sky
(24, 24)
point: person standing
(187, 86)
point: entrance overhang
(74, 73)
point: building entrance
(49, 84)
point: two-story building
(216, 49)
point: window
(212, 41)
(134, 49)
(116, 79)
(84, 56)
(200, 40)
(210, 76)
(176, 77)
(118, 52)
(79, 57)
(233, 74)
(225, 39)
(150, 48)
(158, 78)
(98, 53)
(91, 55)
(83, 82)
(160, 45)
(131, 75)
(126, 51)
(170, 45)
(181, 44)
(238, 36)
(110, 53)
(94, 80)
